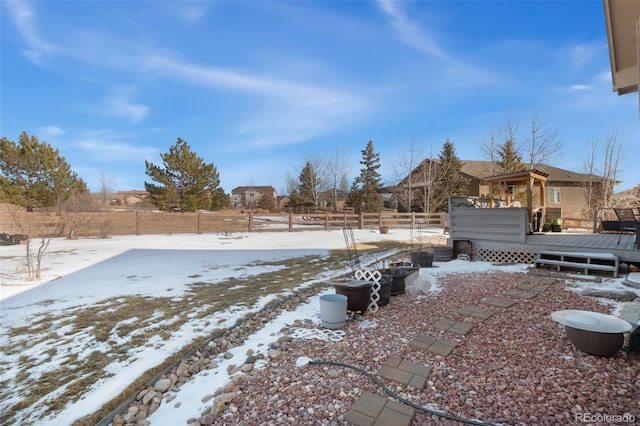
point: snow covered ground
(83, 273)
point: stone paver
(498, 302)
(631, 312)
(521, 294)
(452, 326)
(374, 410)
(432, 345)
(406, 372)
(531, 287)
(477, 312)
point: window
(553, 195)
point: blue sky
(257, 87)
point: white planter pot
(333, 310)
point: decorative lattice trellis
(503, 256)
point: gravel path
(516, 367)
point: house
(565, 189)
(326, 199)
(252, 197)
(133, 197)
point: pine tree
(34, 175)
(509, 159)
(185, 183)
(364, 196)
(308, 187)
(450, 180)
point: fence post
(250, 221)
(137, 222)
(361, 220)
(345, 220)
(595, 220)
(290, 221)
(326, 221)
(199, 223)
(380, 219)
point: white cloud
(105, 146)
(580, 87)
(121, 106)
(410, 33)
(288, 111)
(23, 16)
(456, 71)
(47, 132)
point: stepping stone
(521, 294)
(406, 372)
(445, 324)
(432, 345)
(497, 302)
(530, 287)
(541, 280)
(477, 312)
(371, 409)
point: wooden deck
(573, 242)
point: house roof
(483, 169)
(238, 189)
(621, 18)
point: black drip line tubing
(398, 397)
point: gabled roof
(238, 189)
(484, 169)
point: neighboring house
(326, 200)
(565, 189)
(133, 197)
(251, 197)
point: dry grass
(75, 346)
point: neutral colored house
(133, 197)
(565, 189)
(254, 197)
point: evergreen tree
(185, 183)
(308, 189)
(364, 196)
(509, 159)
(34, 175)
(450, 180)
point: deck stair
(585, 261)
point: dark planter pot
(556, 228)
(595, 342)
(385, 290)
(358, 294)
(398, 276)
(425, 260)
(442, 253)
(411, 268)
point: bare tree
(106, 189)
(543, 144)
(336, 173)
(591, 193)
(405, 164)
(489, 148)
(79, 212)
(45, 230)
(610, 168)
(599, 192)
